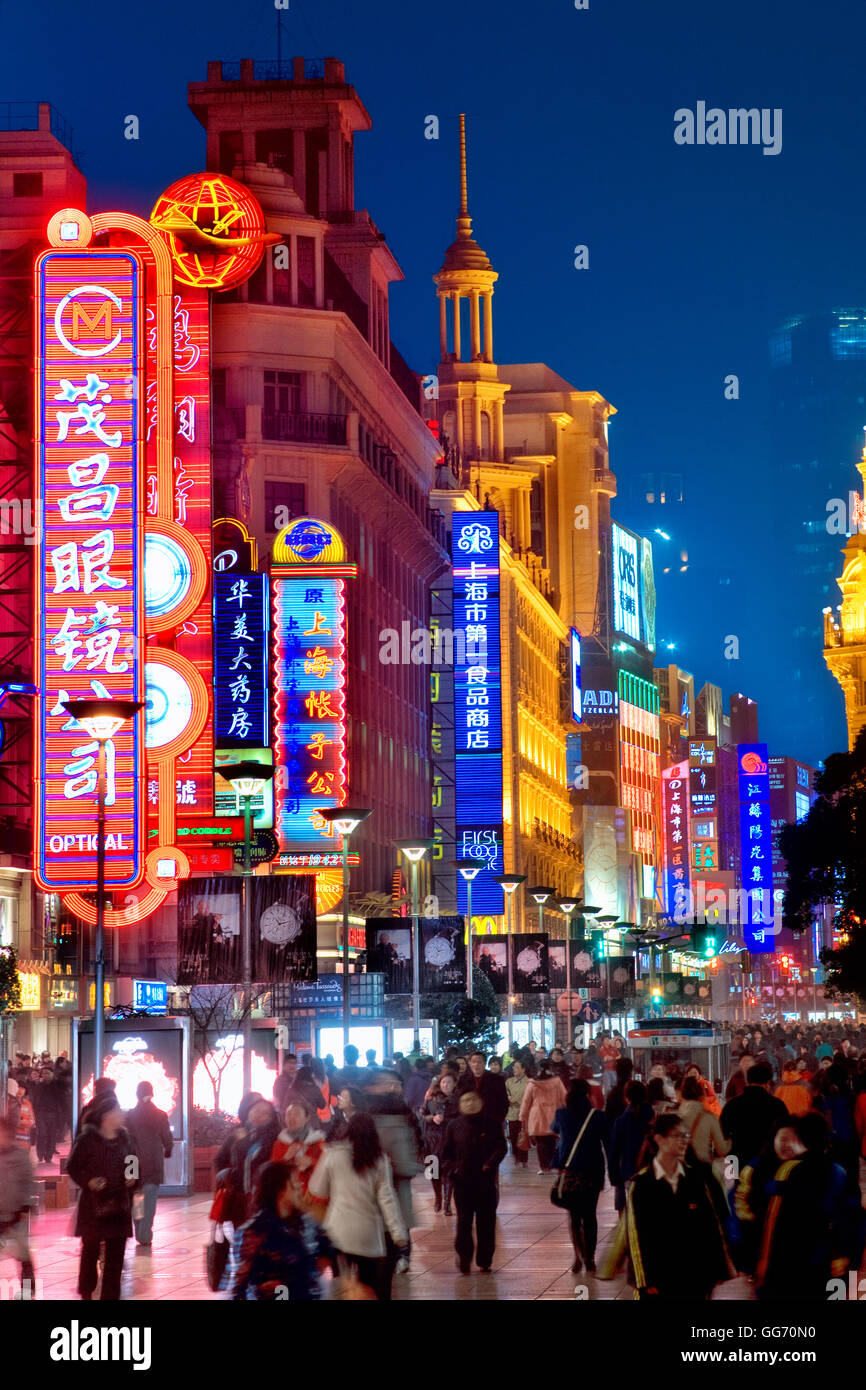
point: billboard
(626, 582)
(756, 846)
(675, 821)
(241, 631)
(703, 806)
(478, 706)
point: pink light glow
(127, 1070)
(230, 1079)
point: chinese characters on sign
(675, 782)
(241, 629)
(703, 806)
(756, 850)
(309, 690)
(478, 705)
(89, 568)
(626, 578)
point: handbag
(567, 1183)
(216, 1257)
(111, 1205)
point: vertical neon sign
(89, 574)
(309, 634)
(478, 705)
(756, 845)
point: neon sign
(309, 635)
(756, 851)
(675, 813)
(626, 580)
(478, 706)
(576, 704)
(241, 628)
(90, 559)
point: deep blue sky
(695, 254)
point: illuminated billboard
(241, 630)
(309, 636)
(626, 582)
(478, 706)
(675, 816)
(756, 846)
(576, 694)
(89, 570)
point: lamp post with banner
(345, 820)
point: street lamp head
(102, 719)
(540, 894)
(344, 819)
(588, 910)
(509, 883)
(414, 850)
(246, 778)
(567, 907)
(607, 917)
(469, 869)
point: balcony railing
(302, 427)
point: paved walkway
(533, 1252)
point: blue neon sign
(241, 628)
(478, 705)
(756, 846)
(150, 995)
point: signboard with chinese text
(675, 819)
(89, 582)
(478, 706)
(309, 637)
(756, 852)
(241, 629)
(626, 582)
(703, 803)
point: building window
(306, 270)
(282, 392)
(218, 385)
(283, 502)
(275, 148)
(282, 274)
(230, 150)
(27, 185)
(257, 285)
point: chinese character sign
(241, 628)
(703, 807)
(756, 847)
(626, 581)
(675, 814)
(309, 705)
(89, 568)
(478, 702)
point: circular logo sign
(216, 229)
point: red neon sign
(89, 571)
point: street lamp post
(469, 871)
(247, 779)
(540, 895)
(607, 917)
(102, 720)
(567, 906)
(414, 851)
(509, 883)
(345, 820)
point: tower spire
(464, 185)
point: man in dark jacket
(151, 1135)
(473, 1150)
(750, 1120)
(285, 1082)
(488, 1086)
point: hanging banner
(585, 973)
(389, 952)
(89, 565)
(443, 955)
(556, 963)
(490, 956)
(619, 970)
(529, 970)
(283, 927)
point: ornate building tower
(845, 640)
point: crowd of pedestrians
(757, 1176)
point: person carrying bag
(581, 1164)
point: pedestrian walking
(17, 1199)
(751, 1119)
(627, 1140)
(706, 1140)
(676, 1222)
(580, 1154)
(515, 1087)
(438, 1110)
(104, 1164)
(544, 1095)
(354, 1177)
(240, 1156)
(300, 1142)
(25, 1126)
(151, 1134)
(474, 1148)
(488, 1085)
(280, 1248)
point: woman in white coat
(354, 1177)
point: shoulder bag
(568, 1183)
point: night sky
(696, 254)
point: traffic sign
(569, 1003)
(263, 848)
(591, 1011)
